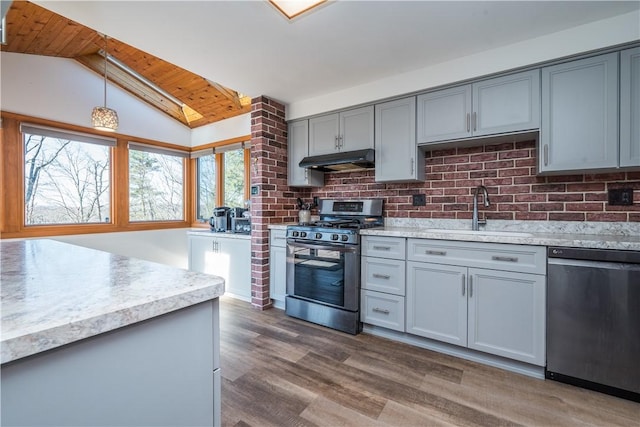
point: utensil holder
(304, 216)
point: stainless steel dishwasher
(593, 319)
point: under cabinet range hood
(341, 161)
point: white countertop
(55, 293)
(597, 241)
(226, 235)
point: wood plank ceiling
(31, 29)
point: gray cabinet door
(579, 129)
(323, 134)
(298, 149)
(630, 107)
(397, 154)
(506, 104)
(444, 114)
(356, 129)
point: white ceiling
(248, 46)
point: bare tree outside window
(66, 181)
(206, 186)
(156, 186)
(234, 178)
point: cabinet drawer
(383, 310)
(278, 238)
(496, 256)
(384, 247)
(383, 275)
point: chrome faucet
(475, 223)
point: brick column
(269, 173)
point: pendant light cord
(105, 70)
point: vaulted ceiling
(193, 100)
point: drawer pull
(504, 258)
(463, 284)
(441, 253)
(381, 276)
(381, 310)
(382, 248)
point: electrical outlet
(621, 197)
(315, 200)
(419, 200)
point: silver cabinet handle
(382, 248)
(380, 310)
(441, 253)
(504, 258)
(546, 154)
(463, 284)
(381, 276)
(413, 161)
(335, 144)
(468, 118)
(475, 121)
(306, 173)
(470, 286)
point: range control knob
(318, 235)
(334, 237)
(303, 234)
(344, 238)
(295, 233)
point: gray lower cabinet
(383, 282)
(278, 267)
(161, 372)
(298, 149)
(503, 104)
(498, 310)
(227, 256)
(398, 157)
(347, 130)
(579, 129)
(630, 107)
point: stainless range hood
(341, 161)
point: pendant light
(103, 118)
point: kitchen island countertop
(55, 293)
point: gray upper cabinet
(579, 129)
(444, 114)
(500, 105)
(397, 155)
(344, 131)
(630, 107)
(298, 149)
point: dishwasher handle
(589, 254)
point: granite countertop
(56, 293)
(577, 240)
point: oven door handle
(323, 248)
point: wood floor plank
(281, 371)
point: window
(156, 183)
(220, 178)
(67, 177)
(206, 166)
(234, 178)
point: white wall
(63, 90)
(222, 130)
(600, 34)
(168, 247)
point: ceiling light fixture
(294, 8)
(103, 118)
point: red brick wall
(274, 204)
(509, 173)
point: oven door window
(319, 275)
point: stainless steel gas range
(323, 264)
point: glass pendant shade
(103, 118)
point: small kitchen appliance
(220, 222)
(323, 264)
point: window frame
(12, 173)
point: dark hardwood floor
(279, 371)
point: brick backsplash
(508, 171)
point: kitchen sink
(480, 232)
